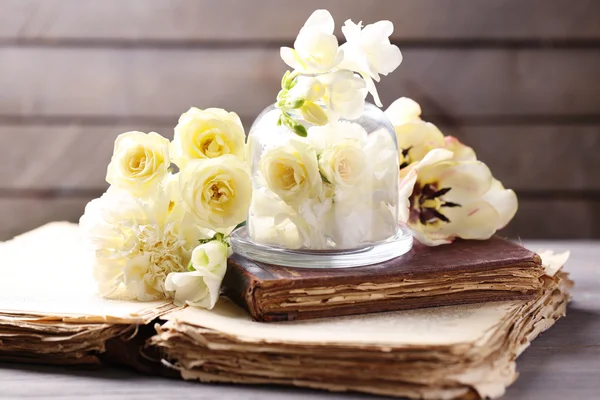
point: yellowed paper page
(47, 273)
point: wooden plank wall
(519, 80)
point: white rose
(201, 287)
(139, 162)
(345, 165)
(344, 94)
(369, 52)
(316, 47)
(209, 133)
(216, 191)
(291, 171)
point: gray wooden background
(519, 80)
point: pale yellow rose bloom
(291, 171)
(139, 162)
(344, 164)
(209, 133)
(216, 192)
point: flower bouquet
(324, 179)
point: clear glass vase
(327, 200)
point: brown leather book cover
(463, 272)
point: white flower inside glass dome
(324, 162)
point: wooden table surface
(563, 363)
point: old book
(49, 312)
(463, 272)
(460, 351)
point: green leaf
(300, 130)
(243, 223)
(324, 178)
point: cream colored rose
(207, 133)
(291, 171)
(344, 164)
(216, 192)
(139, 162)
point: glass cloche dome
(323, 196)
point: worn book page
(424, 327)
(47, 273)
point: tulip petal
(477, 220)
(403, 110)
(461, 151)
(466, 179)
(504, 201)
(405, 189)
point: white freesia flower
(344, 94)
(307, 88)
(369, 52)
(139, 162)
(216, 192)
(291, 171)
(316, 47)
(137, 243)
(454, 199)
(209, 133)
(314, 113)
(201, 287)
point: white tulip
(416, 137)
(316, 47)
(454, 199)
(369, 52)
